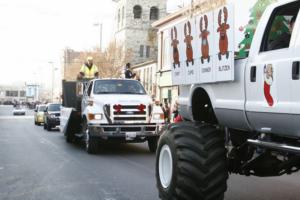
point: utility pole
(100, 28)
(52, 82)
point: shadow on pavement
(116, 149)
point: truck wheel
(191, 163)
(48, 127)
(152, 144)
(91, 145)
(69, 137)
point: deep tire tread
(152, 144)
(93, 146)
(201, 170)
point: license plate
(130, 135)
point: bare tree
(110, 62)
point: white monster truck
(241, 116)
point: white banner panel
(203, 48)
(175, 54)
(205, 38)
(190, 44)
(224, 43)
(182, 53)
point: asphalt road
(38, 165)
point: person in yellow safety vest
(88, 70)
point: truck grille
(129, 118)
(129, 114)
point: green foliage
(279, 26)
(255, 14)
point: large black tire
(90, 143)
(152, 144)
(45, 126)
(69, 137)
(48, 127)
(191, 163)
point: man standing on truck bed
(88, 70)
(128, 72)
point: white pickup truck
(117, 110)
(246, 123)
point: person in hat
(88, 70)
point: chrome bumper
(124, 130)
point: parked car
(39, 114)
(19, 111)
(52, 115)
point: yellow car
(39, 114)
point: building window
(137, 12)
(147, 79)
(118, 17)
(166, 55)
(22, 93)
(150, 80)
(153, 13)
(148, 51)
(11, 93)
(141, 50)
(144, 77)
(123, 15)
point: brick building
(72, 64)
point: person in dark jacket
(283, 40)
(128, 72)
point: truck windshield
(54, 107)
(118, 87)
(41, 108)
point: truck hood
(123, 99)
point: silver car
(19, 111)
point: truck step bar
(275, 146)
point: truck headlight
(92, 116)
(158, 116)
(52, 116)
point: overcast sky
(35, 32)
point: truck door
(295, 80)
(268, 74)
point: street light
(100, 26)
(52, 82)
